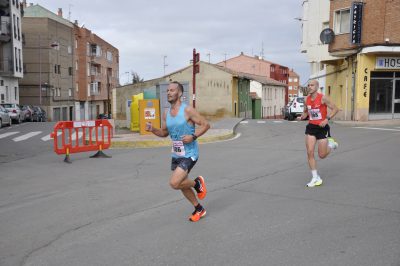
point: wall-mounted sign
(387, 63)
(356, 22)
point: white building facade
(315, 19)
(11, 59)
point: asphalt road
(121, 211)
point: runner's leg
(180, 180)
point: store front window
(384, 101)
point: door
(396, 99)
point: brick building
(294, 85)
(364, 80)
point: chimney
(241, 53)
(76, 22)
(24, 4)
(60, 12)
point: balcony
(5, 30)
(6, 66)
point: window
(55, 69)
(76, 65)
(77, 87)
(342, 21)
(1, 82)
(15, 93)
(16, 59)
(109, 56)
(290, 87)
(70, 92)
(295, 80)
(15, 28)
(290, 79)
(19, 35)
(70, 71)
(19, 60)
(76, 44)
(69, 49)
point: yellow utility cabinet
(135, 111)
(149, 111)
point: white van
(296, 108)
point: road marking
(244, 122)
(295, 121)
(5, 135)
(278, 122)
(47, 137)
(261, 122)
(27, 136)
(378, 128)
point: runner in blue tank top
(179, 122)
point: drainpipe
(353, 89)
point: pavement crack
(59, 236)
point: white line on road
(378, 128)
(261, 122)
(295, 121)
(27, 136)
(47, 137)
(5, 135)
(244, 122)
(278, 122)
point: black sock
(198, 208)
(197, 185)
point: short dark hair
(180, 86)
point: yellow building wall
(339, 87)
(365, 64)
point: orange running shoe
(202, 191)
(197, 215)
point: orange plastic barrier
(82, 136)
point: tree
(136, 78)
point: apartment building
(97, 73)
(364, 80)
(48, 66)
(256, 65)
(11, 57)
(69, 70)
(294, 85)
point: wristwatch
(194, 136)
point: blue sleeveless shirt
(177, 127)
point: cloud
(146, 31)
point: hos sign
(387, 63)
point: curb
(166, 142)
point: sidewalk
(371, 123)
(220, 130)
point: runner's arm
(331, 106)
(161, 132)
(305, 110)
(200, 121)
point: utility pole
(196, 69)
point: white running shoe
(315, 181)
(332, 143)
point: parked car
(28, 112)
(5, 118)
(296, 108)
(39, 115)
(15, 111)
(104, 116)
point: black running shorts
(184, 163)
(317, 131)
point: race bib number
(178, 148)
(315, 114)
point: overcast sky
(144, 31)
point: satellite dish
(327, 36)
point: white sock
(314, 173)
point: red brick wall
(381, 20)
